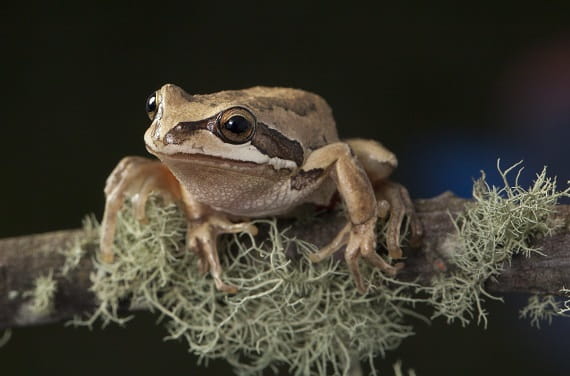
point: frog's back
(297, 114)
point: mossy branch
(25, 259)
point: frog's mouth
(201, 158)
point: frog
(230, 157)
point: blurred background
(448, 89)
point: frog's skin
(234, 155)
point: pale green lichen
(13, 294)
(74, 253)
(41, 295)
(398, 371)
(308, 317)
(542, 308)
(497, 225)
(5, 337)
(565, 307)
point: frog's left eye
(151, 106)
(236, 125)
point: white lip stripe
(242, 153)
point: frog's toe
(369, 253)
(201, 239)
(107, 256)
(139, 205)
(337, 243)
(362, 243)
(224, 225)
(224, 287)
(400, 208)
(351, 256)
(417, 231)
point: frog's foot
(201, 237)
(394, 199)
(360, 241)
(134, 177)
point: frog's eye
(151, 106)
(236, 125)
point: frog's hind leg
(138, 178)
(377, 161)
(393, 198)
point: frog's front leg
(138, 177)
(134, 177)
(356, 190)
(202, 238)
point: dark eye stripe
(266, 140)
(184, 129)
(274, 144)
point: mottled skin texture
(287, 153)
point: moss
(498, 224)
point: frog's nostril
(169, 139)
(175, 135)
(183, 130)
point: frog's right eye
(151, 106)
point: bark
(23, 259)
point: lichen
(5, 337)
(399, 372)
(41, 295)
(304, 316)
(308, 317)
(74, 253)
(542, 308)
(498, 224)
(13, 294)
(565, 307)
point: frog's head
(260, 125)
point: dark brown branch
(23, 259)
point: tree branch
(23, 259)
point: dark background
(448, 89)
